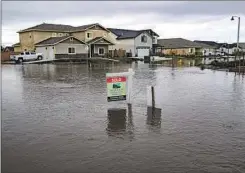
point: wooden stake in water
(152, 97)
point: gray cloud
(31, 11)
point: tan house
(178, 46)
(95, 35)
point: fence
(5, 56)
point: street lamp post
(238, 35)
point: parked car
(27, 56)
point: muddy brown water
(55, 118)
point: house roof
(127, 33)
(151, 32)
(177, 43)
(97, 39)
(16, 44)
(210, 43)
(60, 27)
(55, 40)
(8, 48)
(124, 33)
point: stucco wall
(79, 35)
(125, 44)
(62, 48)
(17, 49)
(48, 52)
(27, 41)
(139, 43)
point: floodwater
(56, 118)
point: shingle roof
(59, 27)
(210, 43)
(177, 43)
(54, 40)
(124, 33)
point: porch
(99, 47)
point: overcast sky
(206, 20)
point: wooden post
(153, 96)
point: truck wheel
(20, 60)
(39, 57)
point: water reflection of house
(178, 46)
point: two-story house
(137, 42)
(43, 37)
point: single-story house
(62, 47)
(136, 42)
(178, 46)
(208, 47)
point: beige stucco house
(94, 35)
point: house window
(71, 50)
(191, 50)
(71, 39)
(101, 51)
(89, 35)
(143, 38)
(54, 34)
(60, 34)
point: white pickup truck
(27, 56)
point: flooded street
(56, 118)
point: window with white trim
(143, 39)
(101, 51)
(71, 50)
(89, 35)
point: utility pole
(238, 36)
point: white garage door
(143, 52)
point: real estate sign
(116, 88)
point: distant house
(62, 47)
(242, 46)
(8, 49)
(137, 42)
(178, 46)
(208, 47)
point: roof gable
(100, 40)
(56, 40)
